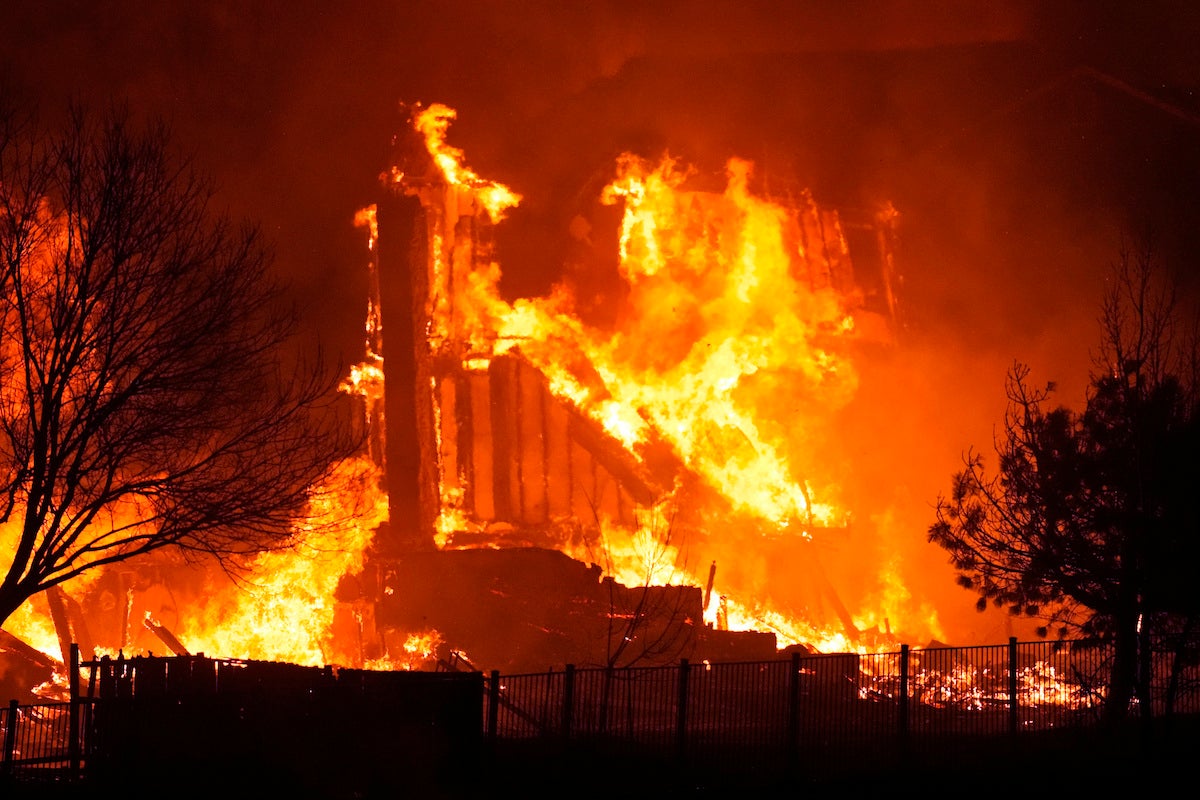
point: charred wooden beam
(69, 622)
(408, 416)
(712, 573)
(11, 644)
(612, 455)
(24, 669)
(502, 378)
(165, 636)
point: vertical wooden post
(410, 455)
(793, 742)
(1145, 666)
(10, 736)
(1013, 701)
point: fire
(733, 320)
(432, 123)
(734, 347)
(35, 628)
(641, 556)
(366, 378)
(283, 608)
(424, 645)
(729, 306)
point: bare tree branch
(147, 400)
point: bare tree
(147, 398)
(1090, 521)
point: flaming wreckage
(546, 485)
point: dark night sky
(1019, 141)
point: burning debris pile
(542, 490)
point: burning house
(534, 518)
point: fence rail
(812, 710)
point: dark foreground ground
(1127, 763)
(1131, 762)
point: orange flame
(284, 609)
(432, 123)
(733, 347)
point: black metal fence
(812, 711)
(44, 739)
(827, 712)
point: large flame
(433, 123)
(717, 317)
(282, 607)
(284, 610)
(733, 346)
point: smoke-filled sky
(1019, 141)
(291, 106)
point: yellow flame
(284, 611)
(733, 347)
(433, 123)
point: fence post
(903, 715)
(681, 709)
(73, 712)
(1144, 672)
(10, 737)
(794, 706)
(1013, 700)
(605, 696)
(493, 706)
(568, 701)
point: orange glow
(281, 609)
